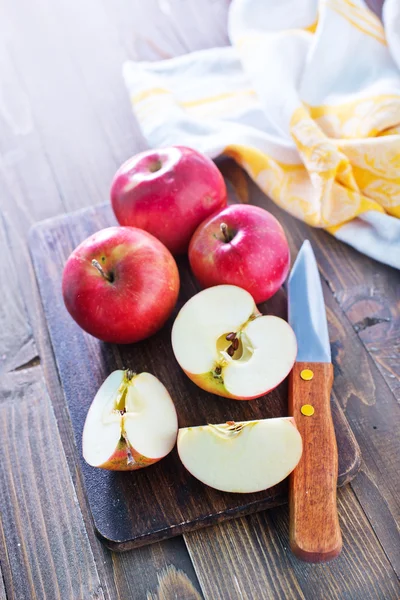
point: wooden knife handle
(314, 526)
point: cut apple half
(227, 347)
(244, 457)
(131, 423)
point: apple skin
(168, 192)
(118, 461)
(256, 257)
(214, 385)
(142, 295)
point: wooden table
(65, 126)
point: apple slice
(244, 457)
(131, 423)
(227, 347)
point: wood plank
(16, 340)
(3, 595)
(162, 29)
(44, 547)
(260, 566)
(30, 453)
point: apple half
(131, 423)
(244, 457)
(227, 347)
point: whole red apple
(241, 245)
(120, 285)
(168, 192)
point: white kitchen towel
(306, 99)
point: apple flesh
(225, 346)
(241, 245)
(243, 457)
(168, 192)
(120, 285)
(131, 423)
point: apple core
(239, 353)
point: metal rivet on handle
(307, 374)
(307, 410)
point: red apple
(168, 192)
(120, 285)
(241, 245)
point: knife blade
(314, 527)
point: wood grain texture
(44, 547)
(174, 584)
(16, 340)
(369, 294)
(84, 362)
(3, 595)
(28, 438)
(314, 526)
(62, 86)
(262, 568)
(65, 126)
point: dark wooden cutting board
(133, 509)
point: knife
(314, 527)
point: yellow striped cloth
(307, 100)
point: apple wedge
(227, 347)
(131, 423)
(244, 457)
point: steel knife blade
(306, 308)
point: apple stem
(100, 269)
(224, 228)
(155, 166)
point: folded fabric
(307, 100)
